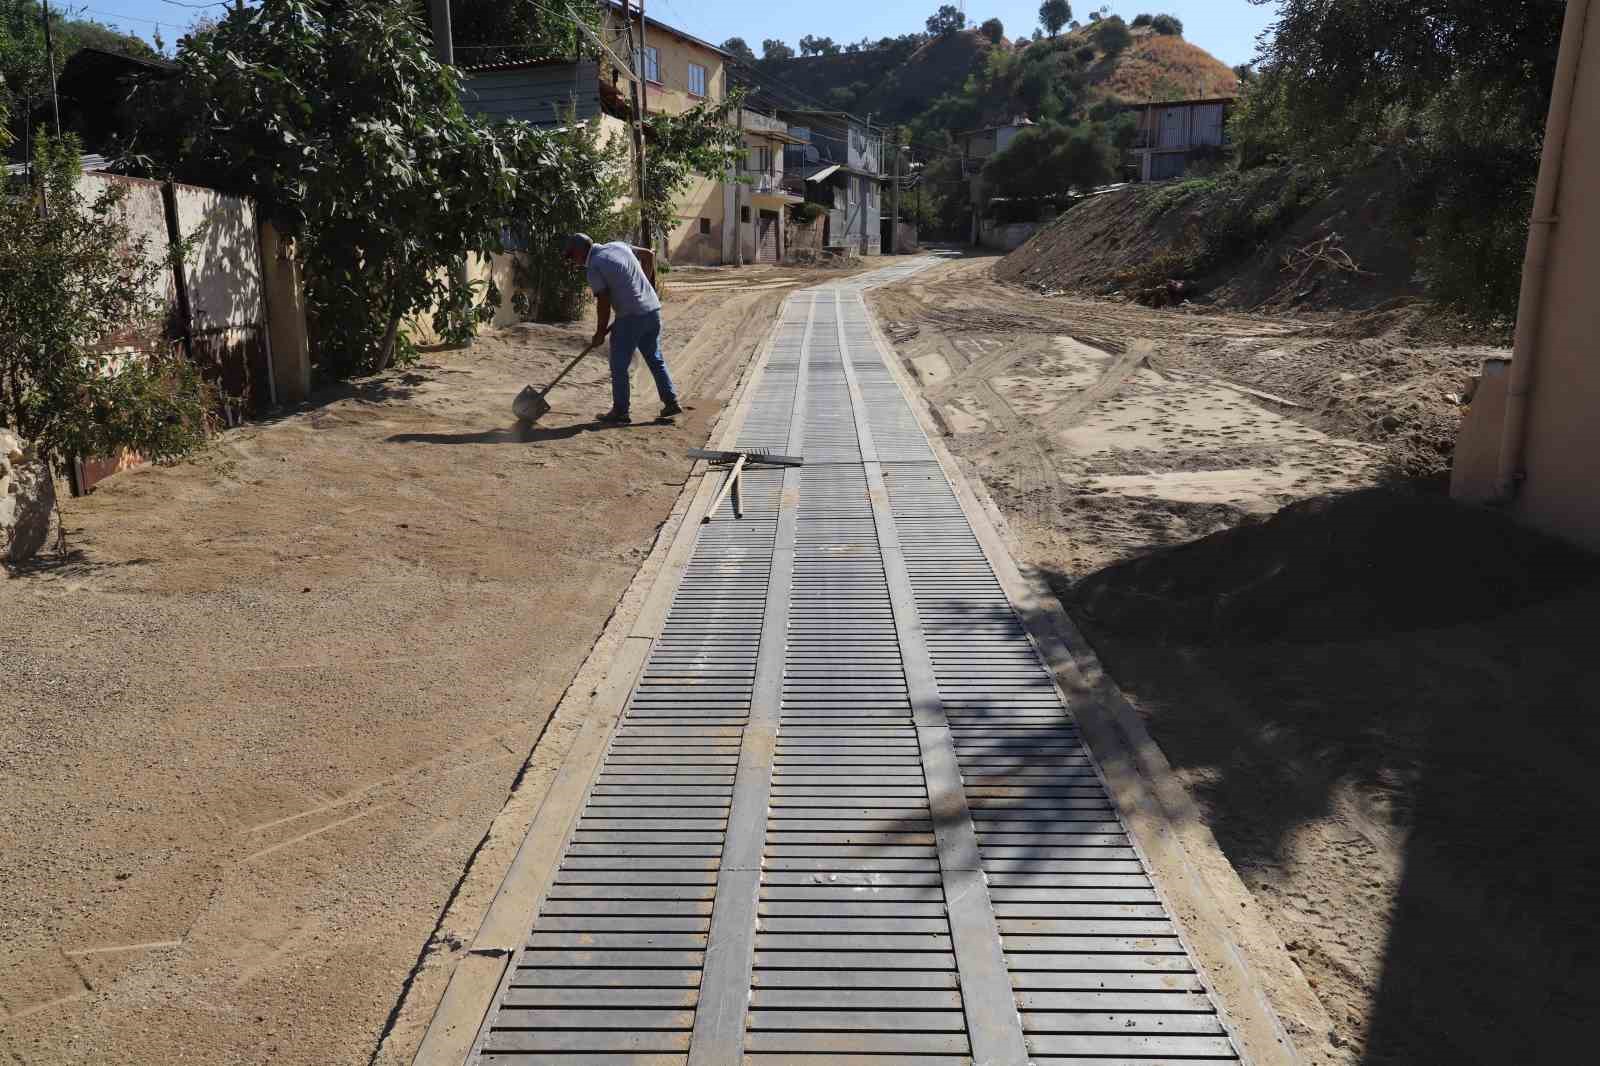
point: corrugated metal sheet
(540, 95)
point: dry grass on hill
(1159, 67)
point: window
(705, 227)
(744, 214)
(758, 160)
(649, 64)
(697, 79)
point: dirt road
(1104, 428)
(1373, 695)
(254, 727)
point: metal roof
(87, 163)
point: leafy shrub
(1167, 26)
(72, 279)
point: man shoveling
(623, 280)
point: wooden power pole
(50, 59)
(894, 224)
(444, 48)
(636, 61)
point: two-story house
(837, 162)
(678, 71)
(977, 148)
(760, 198)
(1169, 134)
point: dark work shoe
(671, 409)
(614, 418)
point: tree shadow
(72, 563)
(1382, 679)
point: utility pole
(444, 49)
(644, 85)
(738, 195)
(894, 225)
(636, 61)
(50, 59)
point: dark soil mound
(1259, 240)
(1335, 569)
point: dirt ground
(256, 722)
(1373, 695)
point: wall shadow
(1387, 692)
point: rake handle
(730, 485)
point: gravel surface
(254, 725)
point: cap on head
(577, 246)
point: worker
(623, 279)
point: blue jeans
(641, 333)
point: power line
(120, 15)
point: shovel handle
(576, 360)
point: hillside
(893, 86)
(879, 82)
(1265, 238)
(1160, 67)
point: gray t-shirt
(614, 269)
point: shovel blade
(529, 405)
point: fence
(217, 299)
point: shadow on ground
(1386, 705)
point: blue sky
(1225, 28)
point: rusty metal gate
(846, 817)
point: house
(679, 72)
(760, 199)
(977, 148)
(978, 145)
(94, 91)
(1169, 135)
(837, 162)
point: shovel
(531, 405)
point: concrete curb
(1265, 1001)
(478, 971)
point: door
(767, 237)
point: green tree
(947, 21)
(775, 51)
(1167, 25)
(1051, 159)
(73, 279)
(703, 140)
(353, 140)
(1112, 35)
(1459, 89)
(24, 75)
(491, 31)
(1054, 14)
(818, 46)
(1142, 20)
(993, 29)
(739, 49)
